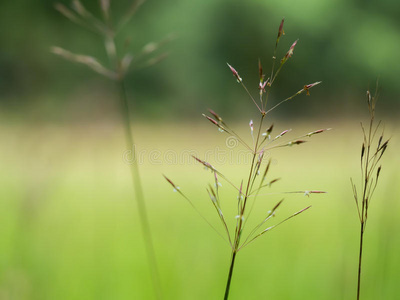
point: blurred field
(69, 227)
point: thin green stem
(141, 205)
(359, 260)
(365, 199)
(240, 223)
(251, 97)
(283, 101)
(105, 29)
(228, 284)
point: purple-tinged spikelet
(235, 73)
(307, 87)
(289, 53)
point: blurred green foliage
(69, 229)
(346, 44)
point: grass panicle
(253, 184)
(119, 64)
(372, 150)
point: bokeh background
(69, 227)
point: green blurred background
(345, 44)
(68, 225)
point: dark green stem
(141, 205)
(228, 284)
(364, 206)
(359, 260)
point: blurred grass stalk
(117, 72)
(370, 158)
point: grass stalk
(117, 71)
(228, 283)
(359, 261)
(239, 228)
(371, 154)
(138, 190)
(261, 141)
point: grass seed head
(211, 120)
(317, 131)
(289, 53)
(269, 130)
(260, 71)
(282, 133)
(66, 12)
(235, 73)
(176, 188)
(105, 7)
(309, 86)
(297, 142)
(79, 8)
(280, 31)
(215, 115)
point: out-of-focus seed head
(280, 31)
(309, 86)
(204, 163)
(105, 6)
(215, 115)
(269, 130)
(260, 71)
(211, 120)
(79, 8)
(262, 85)
(362, 150)
(267, 133)
(307, 193)
(380, 141)
(369, 98)
(282, 133)
(378, 172)
(317, 131)
(176, 188)
(235, 73)
(289, 53)
(66, 12)
(297, 142)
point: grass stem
(138, 190)
(359, 260)
(228, 284)
(240, 223)
(258, 152)
(371, 154)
